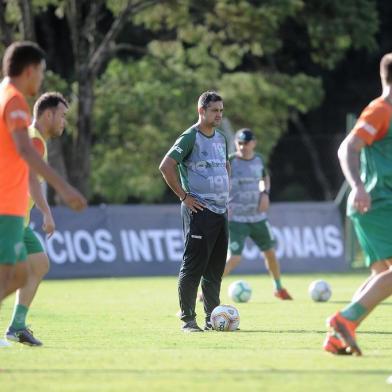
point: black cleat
(24, 336)
(191, 326)
(208, 326)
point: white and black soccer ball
(225, 318)
(320, 291)
(240, 291)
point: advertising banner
(147, 240)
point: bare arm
(168, 168)
(228, 168)
(265, 184)
(264, 187)
(26, 150)
(37, 194)
(348, 153)
(40, 201)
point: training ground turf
(123, 335)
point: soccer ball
(240, 291)
(225, 318)
(320, 291)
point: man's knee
(38, 265)
(378, 267)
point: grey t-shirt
(202, 165)
(244, 189)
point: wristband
(186, 194)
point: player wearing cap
(248, 205)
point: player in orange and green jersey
(23, 70)
(49, 122)
(366, 160)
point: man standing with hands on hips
(201, 155)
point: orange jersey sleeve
(16, 114)
(373, 123)
(39, 146)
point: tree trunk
(6, 32)
(90, 57)
(27, 25)
(315, 158)
(79, 164)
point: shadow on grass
(347, 302)
(303, 331)
(202, 372)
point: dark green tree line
(136, 69)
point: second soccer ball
(240, 291)
(320, 291)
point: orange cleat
(282, 294)
(334, 345)
(345, 329)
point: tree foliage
(235, 47)
(139, 66)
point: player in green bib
(248, 204)
(49, 121)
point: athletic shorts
(31, 241)
(374, 230)
(12, 248)
(259, 232)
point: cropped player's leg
(238, 232)
(231, 263)
(273, 267)
(6, 275)
(13, 270)
(6, 272)
(376, 268)
(38, 266)
(345, 322)
(263, 237)
(18, 278)
(372, 230)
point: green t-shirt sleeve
(264, 171)
(226, 143)
(227, 147)
(182, 147)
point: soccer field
(123, 335)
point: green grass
(122, 335)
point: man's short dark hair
(20, 55)
(386, 68)
(46, 101)
(207, 97)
